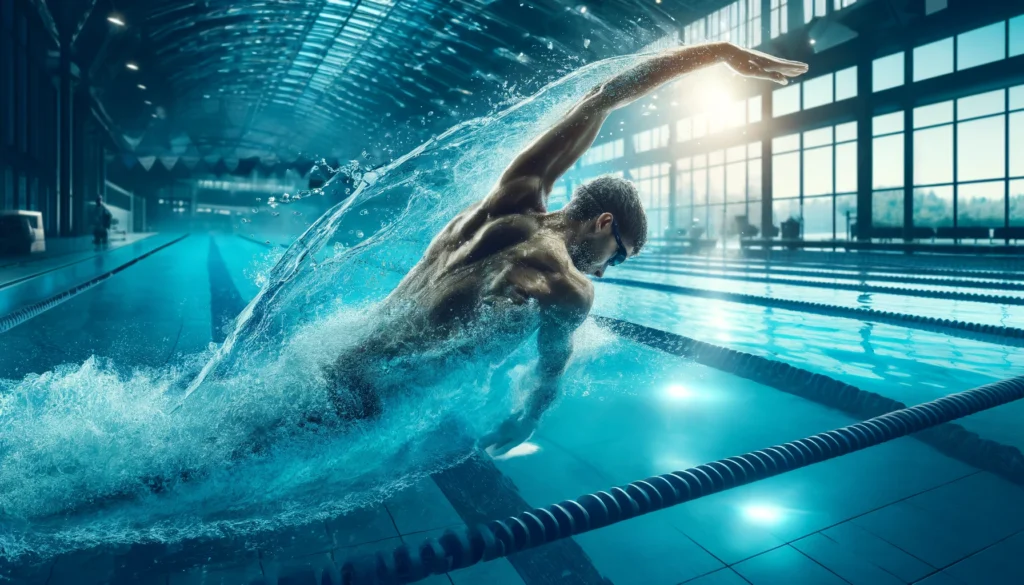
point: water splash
(92, 454)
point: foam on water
(83, 447)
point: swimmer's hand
(512, 433)
(751, 63)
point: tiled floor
(897, 514)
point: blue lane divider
(865, 288)
(769, 275)
(467, 546)
(18, 317)
(991, 333)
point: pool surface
(899, 513)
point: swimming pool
(901, 512)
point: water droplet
(245, 220)
(359, 234)
(274, 213)
(212, 346)
(254, 210)
(586, 43)
(258, 199)
(364, 212)
(296, 213)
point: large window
(887, 72)
(651, 139)
(981, 45)
(962, 174)
(814, 92)
(779, 18)
(652, 182)
(814, 180)
(814, 9)
(887, 170)
(976, 47)
(713, 189)
(604, 152)
(739, 22)
(733, 114)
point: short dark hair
(616, 196)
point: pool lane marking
(225, 300)
(22, 315)
(990, 333)
(950, 439)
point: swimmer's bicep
(556, 150)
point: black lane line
(950, 439)
(225, 301)
(479, 492)
(989, 333)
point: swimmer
(508, 257)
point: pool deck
(898, 513)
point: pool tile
(240, 574)
(878, 552)
(496, 572)
(983, 504)
(304, 570)
(999, 564)
(421, 507)
(719, 577)
(938, 579)
(646, 551)
(295, 541)
(361, 526)
(844, 562)
(923, 534)
(87, 567)
(551, 475)
(785, 566)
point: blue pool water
(173, 363)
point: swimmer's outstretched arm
(554, 152)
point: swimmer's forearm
(658, 70)
(541, 398)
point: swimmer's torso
(481, 285)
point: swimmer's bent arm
(535, 170)
(554, 343)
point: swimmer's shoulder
(569, 288)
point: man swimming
(506, 267)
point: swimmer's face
(603, 246)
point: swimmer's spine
(466, 546)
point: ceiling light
(115, 19)
(132, 66)
(140, 86)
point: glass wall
(652, 182)
(651, 139)
(968, 158)
(739, 22)
(814, 180)
(714, 189)
(604, 152)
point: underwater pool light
(131, 66)
(115, 19)
(140, 86)
(679, 392)
(763, 513)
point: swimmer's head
(611, 223)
